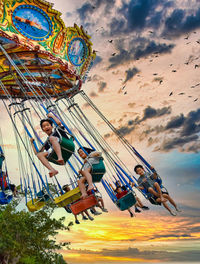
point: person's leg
(76, 219)
(139, 202)
(83, 216)
(158, 193)
(42, 156)
(81, 185)
(168, 197)
(131, 213)
(166, 206)
(56, 146)
(86, 173)
(89, 216)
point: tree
(29, 238)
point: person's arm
(95, 154)
(155, 175)
(141, 188)
(34, 149)
(51, 115)
(111, 186)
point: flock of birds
(156, 54)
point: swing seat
(4, 198)
(44, 197)
(68, 197)
(98, 170)
(126, 201)
(67, 149)
(1, 160)
(35, 205)
(83, 204)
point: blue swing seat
(44, 197)
(126, 201)
(4, 198)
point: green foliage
(30, 237)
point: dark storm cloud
(179, 22)
(139, 12)
(97, 60)
(188, 125)
(152, 47)
(149, 112)
(90, 7)
(137, 15)
(85, 10)
(191, 124)
(143, 48)
(175, 122)
(170, 144)
(184, 130)
(102, 86)
(130, 73)
(183, 256)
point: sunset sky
(146, 81)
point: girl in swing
(52, 143)
(92, 157)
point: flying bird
(195, 99)
(181, 93)
(155, 74)
(173, 70)
(171, 94)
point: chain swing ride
(43, 66)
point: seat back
(5, 199)
(83, 204)
(44, 197)
(126, 201)
(1, 160)
(98, 170)
(67, 149)
(68, 197)
(35, 205)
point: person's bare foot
(53, 173)
(84, 195)
(61, 161)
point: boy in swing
(148, 182)
(93, 157)
(52, 143)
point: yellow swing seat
(35, 205)
(68, 197)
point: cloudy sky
(146, 81)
